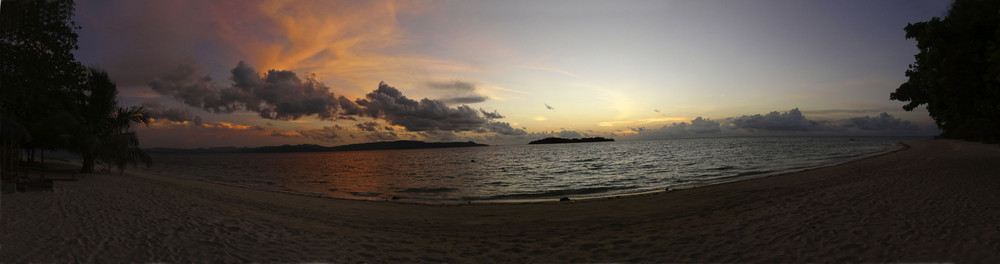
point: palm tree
(106, 133)
(121, 144)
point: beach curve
(936, 201)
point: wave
(553, 193)
(748, 173)
(428, 190)
(516, 172)
(727, 167)
(365, 194)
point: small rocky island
(555, 140)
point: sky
(256, 73)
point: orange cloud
(228, 125)
(357, 42)
(287, 133)
(164, 123)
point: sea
(522, 172)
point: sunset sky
(504, 72)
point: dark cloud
(185, 85)
(502, 128)
(491, 115)
(704, 125)
(883, 121)
(367, 126)
(569, 134)
(275, 95)
(348, 107)
(176, 114)
(471, 99)
(562, 133)
(276, 133)
(458, 92)
(453, 86)
(382, 136)
(656, 110)
(284, 96)
(328, 134)
(390, 104)
(549, 107)
(848, 111)
(440, 135)
(793, 120)
(697, 126)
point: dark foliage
(555, 140)
(105, 133)
(384, 145)
(957, 71)
(39, 76)
(61, 103)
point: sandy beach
(936, 201)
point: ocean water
(516, 172)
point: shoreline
(936, 201)
(901, 146)
(605, 195)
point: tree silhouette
(40, 77)
(120, 146)
(63, 104)
(957, 71)
(106, 133)
(38, 69)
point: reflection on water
(520, 171)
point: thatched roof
(11, 130)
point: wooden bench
(42, 171)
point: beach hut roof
(11, 130)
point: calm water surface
(521, 171)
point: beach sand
(936, 201)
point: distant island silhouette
(384, 145)
(555, 140)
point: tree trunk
(88, 164)
(31, 154)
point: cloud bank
(282, 95)
(276, 94)
(793, 120)
(390, 104)
(882, 122)
(788, 123)
(459, 92)
(159, 110)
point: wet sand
(935, 201)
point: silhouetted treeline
(384, 145)
(957, 71)
(555, 140)
(60, 102)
